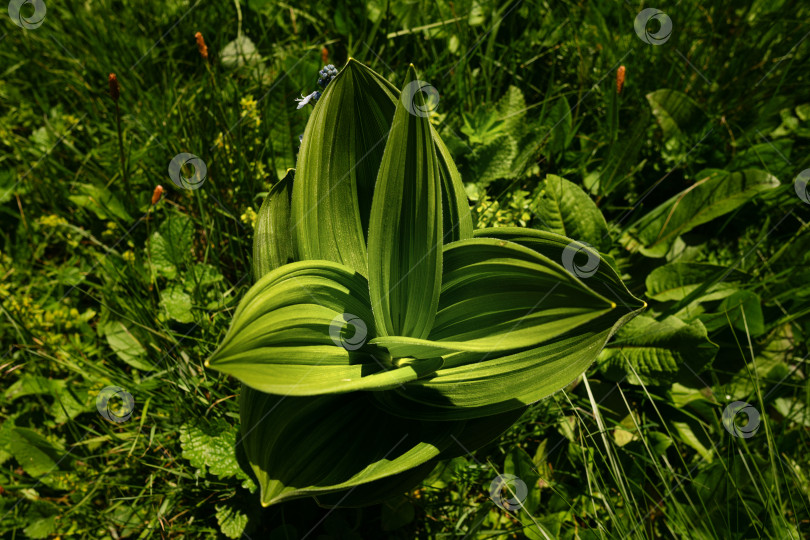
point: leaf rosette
(382, 334)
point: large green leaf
(675, 281)
(318, 445)
(604, 278)
(337, 167)
(405, 233)
(273, 245)
(474, 384)
(565, 209)
(716, 193)
(677, 114)
(456, 215)
(659, 352)
(500, 296)
(290, 335)
(467, 437)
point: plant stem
(121, 153)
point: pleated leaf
(500, 296)
(456, 216)
(272, 242)
(303, 329)
(318, 445)
(337, 167)
(405, 232)
(605, 280)
(475, 384)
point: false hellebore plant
(383, 334)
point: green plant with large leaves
(454, 333)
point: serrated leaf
(211, 448)
(405, 232)
(232, 522)
(201, 276)
(177, 304)
(170, 246)
(659, 352)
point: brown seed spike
(114, 88)
(620, 79)
(157, 194)
(201, 46)
(324, 56)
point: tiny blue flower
(312, 98)
(326, 75)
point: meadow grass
(102, 290)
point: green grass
(102, 291)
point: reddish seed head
(201, 46)
(157, 194)
(114, 89)
(620, 79)
(324, 56)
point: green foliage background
(685, 179)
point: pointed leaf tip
(405, 230)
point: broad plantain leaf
(675, 281)
(716, 193)
(564, 208)
(677, 114)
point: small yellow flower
(249, 217)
